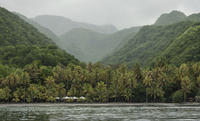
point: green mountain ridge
(151, 42)
(176, 17)
(147, 44)
(22, 44)
(167, 38)
(170, 18)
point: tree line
(99, 83)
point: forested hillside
(118, 39)
(148, 43)
(186, 47)
(23, 44)
(174, 36)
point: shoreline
(98, 104)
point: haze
(121, 13)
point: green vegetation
(21, 55)
(99, 83)
(186, 47)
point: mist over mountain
(89, 43)
(91, 46)
(86, 45)
(60, 25)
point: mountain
(61, 25)
(42, 29)
(170, 18)
(22, 44)
(118, 39)
(175, 17)
(186, 47)
(91, 46)
(85, 44)
(153, 42)
(194, 17)
(166, 38)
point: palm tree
(148, 80)
(101, 92)
(186, 85)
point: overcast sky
(121, 13)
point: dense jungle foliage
(99, 83)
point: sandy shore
(100, 104)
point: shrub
(177, 97)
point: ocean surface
(99, 112)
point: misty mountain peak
(170, 18)
(60, 25)
(52, 18)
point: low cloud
(121, 13)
